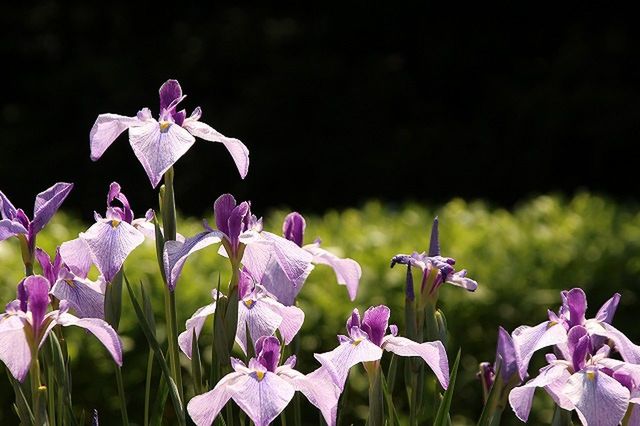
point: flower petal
(348, 271)
(196, 322)
(109, 243)
(292, 318)
(339, 361)
(259, 318)
(222, 208)
(629, 351)
(169, 92)
(599, 399)
(375, 322)
(175, 253)
(83, 296)
(318, 388)
(76, 255)
(262, 400)
(433, 353)
(237, 149)
(528, 340)
(105, 131)
(293, 228)
(608, 309)
(159, 150)
(507, 353)
(99, 328)
(14, 348)
(47, 204)
(10, 228)
(204, 408)
(460, 279)
(7, 210)
(520, 398)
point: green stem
(51, 397)
(376, 395)
(147, 389)
(562, 417)
(35, 390)
(123, 400)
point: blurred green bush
(521, 258)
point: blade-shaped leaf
(442, 418)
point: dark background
(336, 105)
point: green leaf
(159, 245)
(21, 405)
(148, 310)
(442, 418)
(196, 367)
(61, 376)
(155, 346)
(488, 415)
(113, 301)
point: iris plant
(158, 144)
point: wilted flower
(158, 144)
(263, 389)
(368, 338)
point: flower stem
(376, 395)
(36, 402)
(123, 400)
(147, 392)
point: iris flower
(258, 311)
(109, 241)
(366, 340)
(263, 389)
(243, 241)
(158, 144)
(436, 269)
(274, 279)
(506, 360)
(25, 325)
(597, 387)
(15, 222)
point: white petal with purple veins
(176, 253)
(76, 255)
(339, 361)
(348, 271)
(9, 228)
(83, 296)
(47, 204)
(433, 353)
(204, 408)
(14, 348)
(527, 340)
(262, 399)
(259, 319)
(292, 318)
(520, 398)
(99, 328)
(105, 131)
(196, 322)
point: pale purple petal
(520, 398)
(293, 260)
(84, 296)
(196, 322)
(506, 351)
(528, 340)
(292, 318)
(222, 208)
(110, 242)
(339, 361)
(105, 131)
(76, 255)
(259, 318)
(270, 273)
(10, 228)
(237, 149)
(375, 322)
(47, 204)
(353, 320)
(599, 399)
(268, 352)
(14, 348)
(158, 150)
(175, 253)
(99, 328)
(262, 400)
(629, 351)
(348, 271)
(433, 353)
(7, 209)
(578, 343)
(460, 279)
(204, 408)
(608, 309)
(576, 303)
(317, 387)
(293, 228)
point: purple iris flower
(506, 360)
(597, 387)
(366, 340)
(243, 241)
(263, 389)
(274, 279)
(159, 144)
(84, 297)
(16, 223)
(528, 340)
(436, 269)
(22, 331)
(110, 240)
(258, 311)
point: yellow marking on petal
(115, 223)
(249, 303)
(260, 375)
(164, 125)
(356, 342)
(551, 324)
(591, 375)
(70, 282)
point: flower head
(158, 144)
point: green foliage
(520, 258)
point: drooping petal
(348, 271)
(506, 351)
(599, 399)
(258, 318)
(105, 131)
(292, 318)
(175, 253)
(237, 149)
(460, 279)
(47, 204)
(528, 340)
(293, 228)
(14, 348)
(196, 322)
(159, 149)
(317, 387)
(293, 260)
(83, 296)
(339, 361)
(7, 209)
(76, 255)
(433, 353)
(629, 351)
(10, 228)
(109, 243)
(262, 399)
(375, 322)
(204, 408)
(520, 398)
(99, 328)
(608, 309)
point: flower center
(357, 341)
(164, 126)
(260, 375)
(249, 303)
(591, 375)
(70, 282)
(115, 223)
